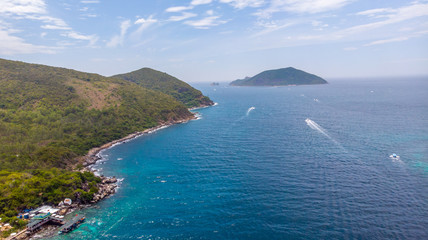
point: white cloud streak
(144, 24)
(183, 16)
(74, 35)
(90, 1)
(399, 39)
(397, 15)
(200, 2)
(11, 45)
(240, 4)
(178, 9)
(301, 6)
(375, 12)
(118, 39)
(22, 7)
(36, 10)
(206, 23)
(55, 27)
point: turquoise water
(266, 173)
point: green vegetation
(26, 190)
(167, 84)
(50, 116)
(280, 77)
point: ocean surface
(299, 162)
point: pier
(37, 223)
(72, 224)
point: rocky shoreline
(108, 185)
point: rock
(109, 180)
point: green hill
(280, 77)
(167, 84)
(50, 116)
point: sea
(291, 162)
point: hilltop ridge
(163, 82)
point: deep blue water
(267, 174)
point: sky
(220, 40)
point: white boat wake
(312, 124)
(317, 127)
(249, 110)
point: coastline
(108, 184)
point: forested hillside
(168, 84)
(49, 116)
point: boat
(394, 156)
(72, 224)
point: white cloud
(314, 6)
(74, 35)
(11, 45)
(185, 15)
(90, 1)
(398, 15)
(210, 12)
(375, 12)
(55, 27)
(33, 10)
(302, 6)
(90, 15)
(399, 39)
(272, 26)
(56, 23)
(118, 39)
(200, 2)
(240, 4)
(178, 9)
(145, 23)
(205, 23)
(22, 7)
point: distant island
(280, 77)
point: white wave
(250, 109)
(119, 159)
(198, 116)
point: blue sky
(220, 40)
